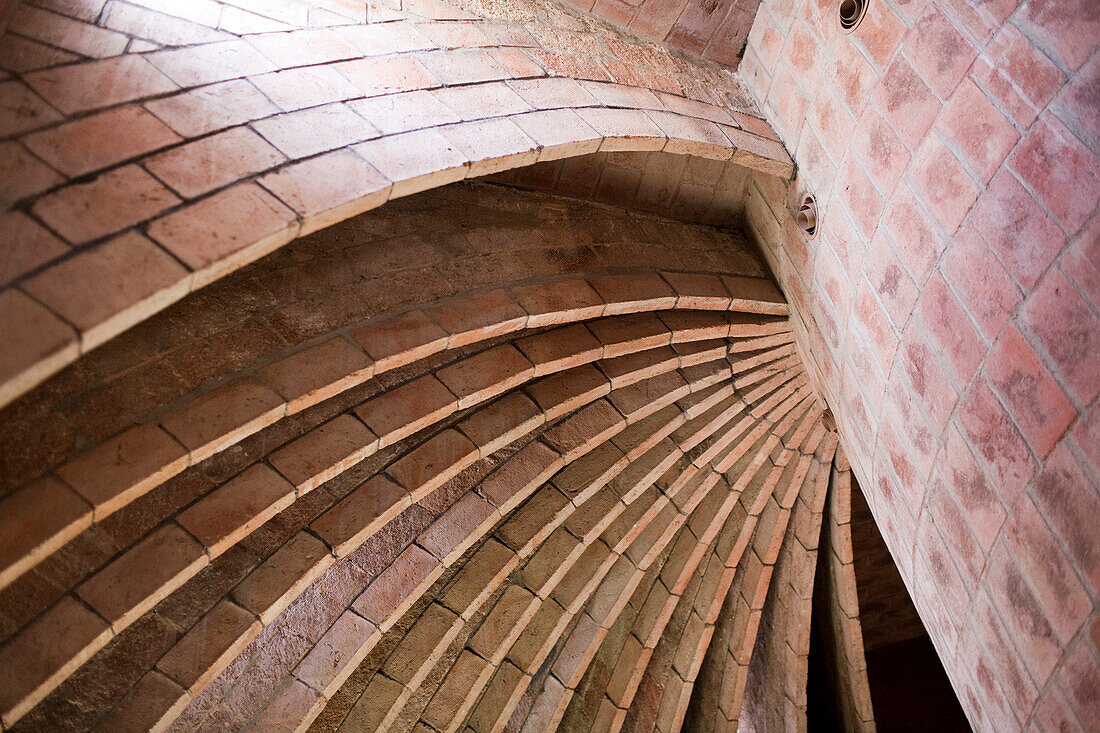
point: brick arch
(254, 550)
(152, 173)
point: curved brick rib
(221, 418)
(206, 520)
(337, 122)
(542, 591)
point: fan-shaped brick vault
(302, 430)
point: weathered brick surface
(980, 178)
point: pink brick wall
(712, 29)
(949, 305)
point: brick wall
(949, 309)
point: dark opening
(910, 691)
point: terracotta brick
(337, 655)
(492, 146)
(385, 76)
(315, 130)
(319, 372)
(401, 340)
(295, 89)
(143, 576)
(938, 51)
(304, 47)
(104, 291)
(416, 161)
(1001, 450)
(451, 697)
(67, 33)
(28, 534)
(984, 135)
(28, 175)
(390, 593)
(628, 334)
(212, 162)
(906, 102)
(462, 66)
(558, 302)
(376, 40)
(292, 706)
(633, 293)
(433, 463)
(1060, 169)
(458, 528)
(560, 349)
(519, 476)
(881, 33)
(204, 651)
(396, 113)
(1066, 31)
(502, 423)
(376, 701)
(88, 144)
(1037, 404)
(981, 281)
(479, 317)
(559, 133)
(153, 704)
(401, 412)
(233, 511)
(210, 62)
(624, 129)
(325, 452)
(1067, 330)
(96, 84)
(124, 467)
(225, 231)
(113, 201)
(38, 344)
(274, 585)
(223, 417)
(486, 375)
(211, 108)
(948, 326)
(941, 182)
(1018, 74)
(46, 652)
(347, 525)
(329, 189)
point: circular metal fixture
(806, 218)
(851, 14)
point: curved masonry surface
(241, 140)
(530, 501)
(296, 435)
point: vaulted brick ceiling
(499, 459)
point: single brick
(143, 576)
(35, 521)
(486, 375)
(45, 653)
(338, 653)
(391, 593)
(211, 644)
(233, 511)
(271, 587)
(401, 340)
(347, 525)
(426, 468)
(400, 412)
(319, 372)
(124, 467)
(324, 452)
(223, 417)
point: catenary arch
(239, 141)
